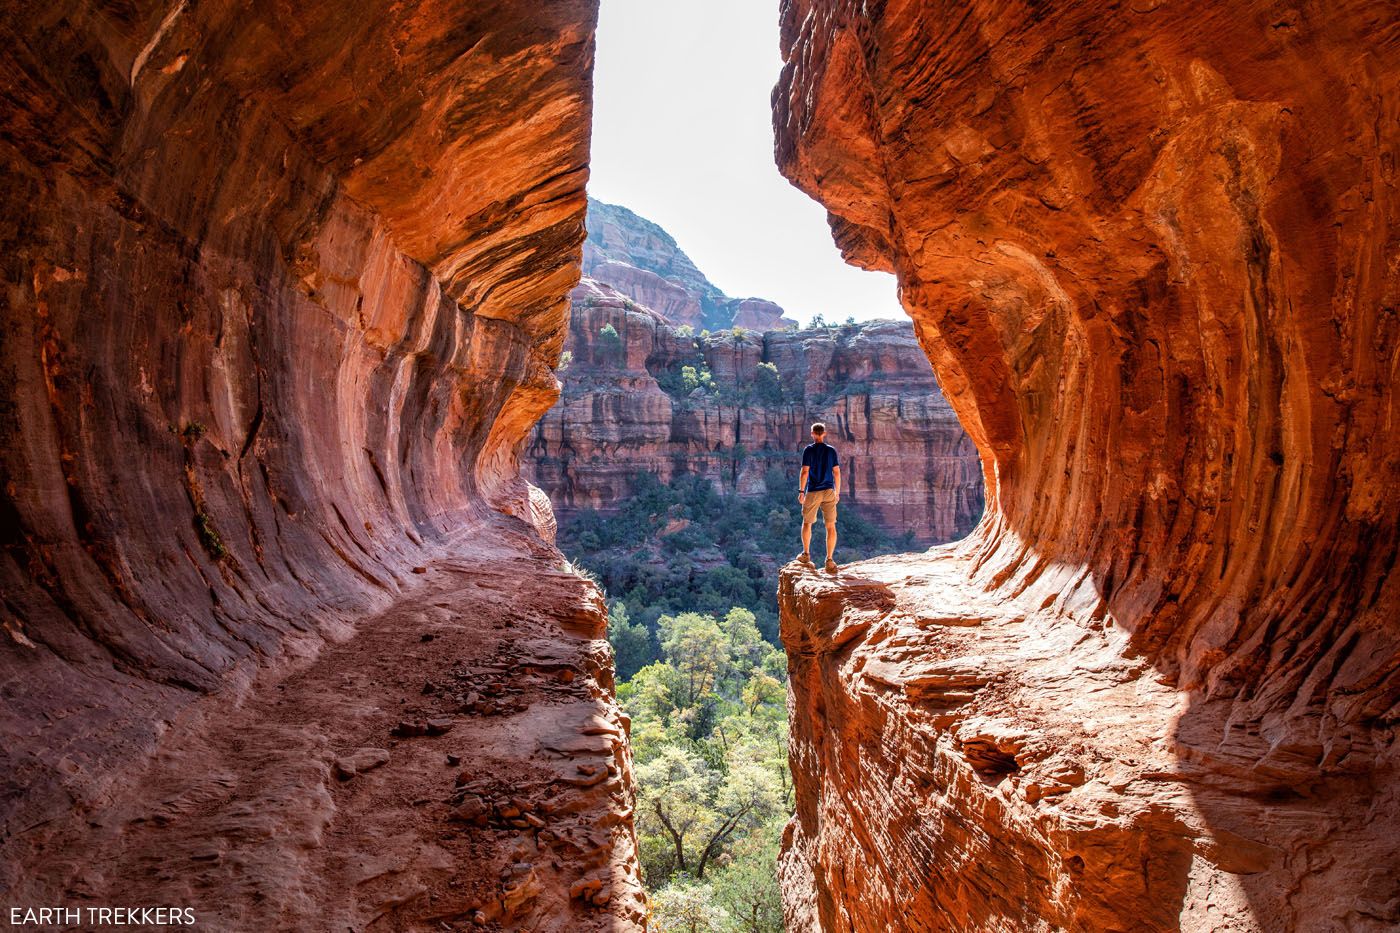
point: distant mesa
(640, 261)
(666, 375)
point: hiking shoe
(805, 560)
(831, 566)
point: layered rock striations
(1150, 250)
(284, 290)
(627, 409)
(640, 260)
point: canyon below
(308, 317)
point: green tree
(746, 645)
(609, 338)
(761, 690)
(709, 739)
(745, 885)
(775, 664)
(687, 907)
(651, 692)
(700, 809)
(696, 646)
(748, 797)
(676, 790)
(632, 648)
(730, 585)
(768, 384)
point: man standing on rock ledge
(819, 487)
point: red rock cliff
(1152, 252)
(640, 260)
(284, 288)
(624, 411)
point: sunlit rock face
(643, 262)
(905, 459)
(284, 291)
(1151, 252)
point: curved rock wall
(284, 290)
(1151, 251)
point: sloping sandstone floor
(516, 816)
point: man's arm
(802, 484)
(836, 482)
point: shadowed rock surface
(1151, 251)
(284, 290)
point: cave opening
(672, 457)
(285, 337)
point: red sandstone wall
(283, 289)
(1151, 250)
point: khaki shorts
(824, 499)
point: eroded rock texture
(1152, 252)
(642, 261)
(283, 292)
(624, 411)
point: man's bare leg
(830, 539)
(806, 538)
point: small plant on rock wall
(209, 536)
(693, 378)
(739, 332)
(609, 341)
(582, 572)
(768, 384)
(565, 359)
(685, 330)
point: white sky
(682, 134)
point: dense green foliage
(691, 579)
(709, 740)
(687, 547)
(768, 384)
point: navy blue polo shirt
(820, 459)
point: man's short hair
(818, 428)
